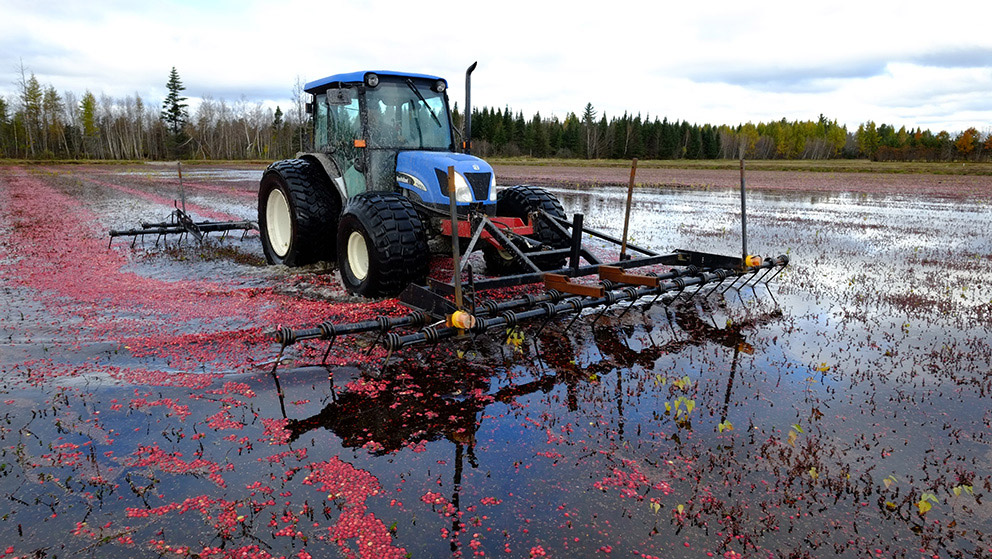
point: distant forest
(40, 123)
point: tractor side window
(343, 123)
(343, 127)
(320, 126)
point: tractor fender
(331, 170)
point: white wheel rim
(358, 256)
(278, 222)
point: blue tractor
(373, 190)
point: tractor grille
(442, 181)
(480, 185)
(478, 182)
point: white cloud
(720, 62)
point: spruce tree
(175, 115)
(174, 112)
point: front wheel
(381, 245)
(520, 201)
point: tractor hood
(426, 173)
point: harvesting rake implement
(180, 223)
(448, 310)
(561, 297)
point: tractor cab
(391, 131)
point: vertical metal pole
(573, 262)
(626, 217)
(743, 216)
(182, 189)
(455, 249)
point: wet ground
(843, 411)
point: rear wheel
(382, 246)
(297, 214)
(519, 201)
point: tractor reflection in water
(427, 403)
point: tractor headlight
(492, 188)
(371, 80)
(462, 192)
(439, 86)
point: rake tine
(626, 310)
(715, 287)
(775, 275)
(651, 304)
(599, 316)
(731, 285)
(275, 365)
(431, 354)
(375, 342)
(328, 352)
(713, 320)
(748, 279)
(693, 294)
(539, 330)
(762, 278)
(385, 363)
(576, 317)
(770, 292)
(741, 297)
(537, 352)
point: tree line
(501, 132)
(38, 122)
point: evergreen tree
(589, 122)
(174, 115)
(174, 112)
(571, 139)
(540, 144)
(694, 145)
(669, 147)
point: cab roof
(323, 84)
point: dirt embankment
(955, 186)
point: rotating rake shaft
(491, 315)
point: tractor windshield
(404, 114)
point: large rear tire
(519, 201)
(382, 246)
(297, 214)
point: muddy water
(842, 411)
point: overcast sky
(911, 63)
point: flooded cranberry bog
(843, 411)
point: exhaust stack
(467, 146)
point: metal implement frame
(180, 223)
